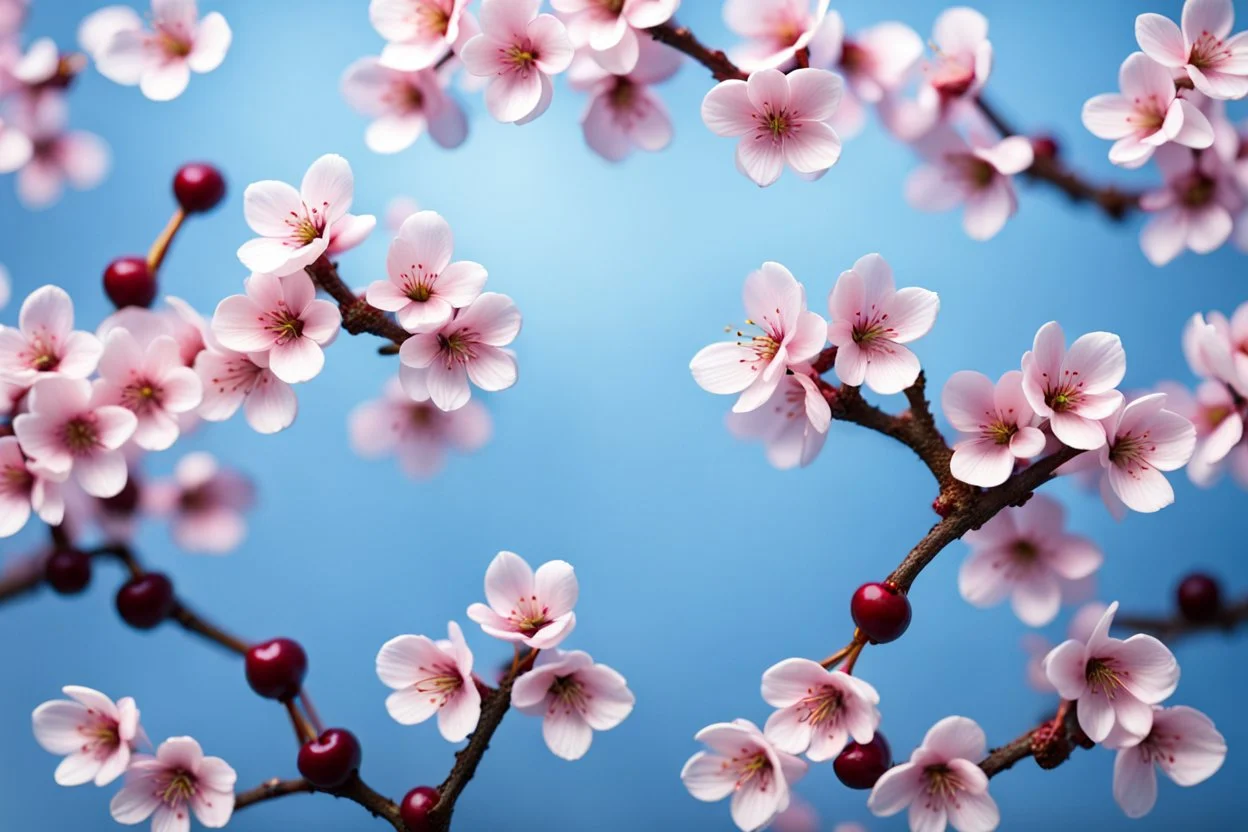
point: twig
(357, 315)
(356, 790)
(1176, 627)
(680, 38)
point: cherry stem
(303, 730)
(156, 254)
(311, 711)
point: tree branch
(1176, 627)
(683, 40)
(357, 315)
(355, 790)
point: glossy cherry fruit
(881, 611)
(331, 759)
(276, 668)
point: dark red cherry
(198, 187)
(276, 669)
(129, 282)
(145, 601)
(861, 764)
(68, 571)
(1200, 598)
(1045, 147)
(417, 806)
(329, 760)
(881, 611)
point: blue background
(700, 566)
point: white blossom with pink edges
(819, 710)
(430, 678)
(173, 784)
(527, 607)
(94, 734)
(575, 697)
(998, 426)
(1203, 48)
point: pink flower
(44, 343)
(575, 697)
(38, 65)
(15, 147)
(623, 112)
(1196, 208)
(520, 49)
(58, 155)
(206, 503)
(233, 379)
(162, 787)
(402, 104)
(12, 15)
(942, 783)
(790, 336)
(425, 287)
(1074, 390)
(1217, 64)
(819, 710)
(431, 677)
(997, 422)
(870, 321)
(160, 61)
(743, 763)
(398, 210)
(533, 609)
(780, 119)
(1114, 681)
(963, 54)
(68, 428)
(776, 30)
(25, 485)
(1146, 115)
(419, 32)
(609, 27)
(792, 424)
(1025, 553)
(178, 321)
(1183, 743)
(415, 430)
(1143, 440)
(297, 227)
(977, 175)
(469, 346)
(1218, 349)
(1219, 425)
(281, 317)
(94, 735)
(151, 382)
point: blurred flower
(978, 175)
(206, 503)
(792, 424)
(402, 104)
(776, 30)
(609, 28)
(420, 32)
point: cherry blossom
(1196, 208)
(1219, 425)
(95, 735)
(977, 175)
(283, 318)
(623, 112)
(68, 428)
(780, 119)
(425, 287)
(519, 50)
(177, 779)
(534, 609)
(743, 763)
(205, 503)
(24, 486)
(1025, 553)
(234, 379)
(415, 430)
(38, 65)
(575, 697)
(159, 60)
(419, 32)
(997, 423)
(58, 156)
(402, 104)
(792, 424)
(177, 320)
(963, 53)
(1114, 681)
(12, 15)
(1147, 114)
(467, 347)
(820, 710)
(1144, 439)
(871, 321)
(1217, 348)
(150, 381)
(1183, 743)
(15, 147)
(790, 336)
(776, 29)
(431, 677)
(1074, 389)
(297, 227)
(609, 27)
(44, 343)
(1215, 62)
(942, 783)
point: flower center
(1208, 51)
(1025, 551)
(179, 788)
(568, 691)
(951, 78)
(613, 6)
(522, 57)
(44, 360)
(754, 766)
(1066, 395)
(79, 435)
(1197, 190)
(442, 682)
(974, 170)
(623, 94)
(195, 499)
(173, 44)
(1130, 452)
(306, 228)
(942, 784)
(1102, 677)
(853, 57)
(285, 325)
(821, 706)
(433, 18)
(140, 395)
(457, 347)
(418, 283)
(15, 479)
(1000, 432)
(1217, 415)
(529, 616)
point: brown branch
(355, 790)
(192, 623)
(1175, 627)
(1050, 743)
(270, 790)
(683, 40)
(357, 315)
(1114, 202)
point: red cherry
(276, 669)
(145, 601)
(68, 571)
(329, 761)
(881, 611)
(128, 282)
(198, 187)
(1045, 147)
(861, 764)
(417, 806)
(1200, 598)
